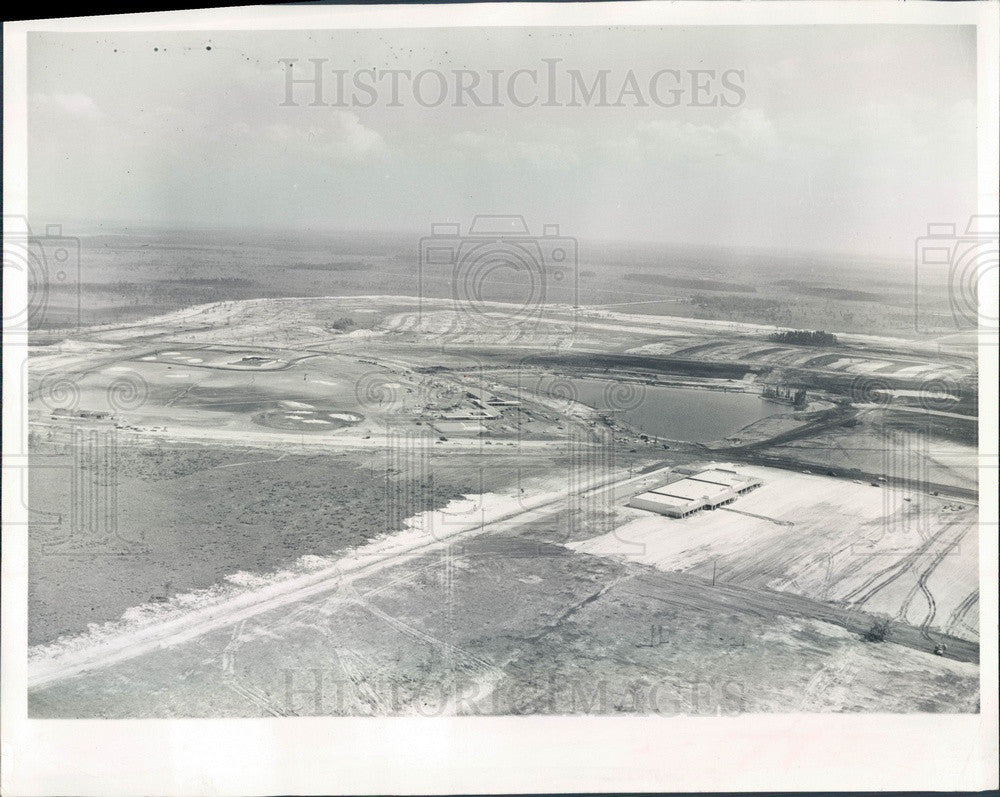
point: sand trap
(921, 394)
(869, 366)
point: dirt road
(684, 589)
(60, 661)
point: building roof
(666, 500)
(728, 478)
(690, 489)
(709, 487)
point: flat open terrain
(522, 628)
(368, 505)
(129, 277)
(911, 556)
(168, 519)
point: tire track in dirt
(351, 665)
(904, 607)
(693, 592)
(957, 617)
(926, 574)
(891, 573)
(257, 698)
(925, 624)
(921, 583)
(238, 685)
(190, 625)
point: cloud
(341, 136)
(544, 153)
(77, 105)
(747, 134)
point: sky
(840, 138)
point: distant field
(135, 275)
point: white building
(705, 489)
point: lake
(675, 413)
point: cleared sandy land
(190, 615)
(290, 545)
(912, 556)
(506, 625)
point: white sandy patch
(342, 416)
(315, 420)
(150, 358)
(921, 393)
(171, 354)
(298, 405)
(812, 535)
(324, 382)
(869, 366)
(244, 578)
(66, 345)
(195, 360)
(178, 376)
(937, 373)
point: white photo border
(493, 754)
